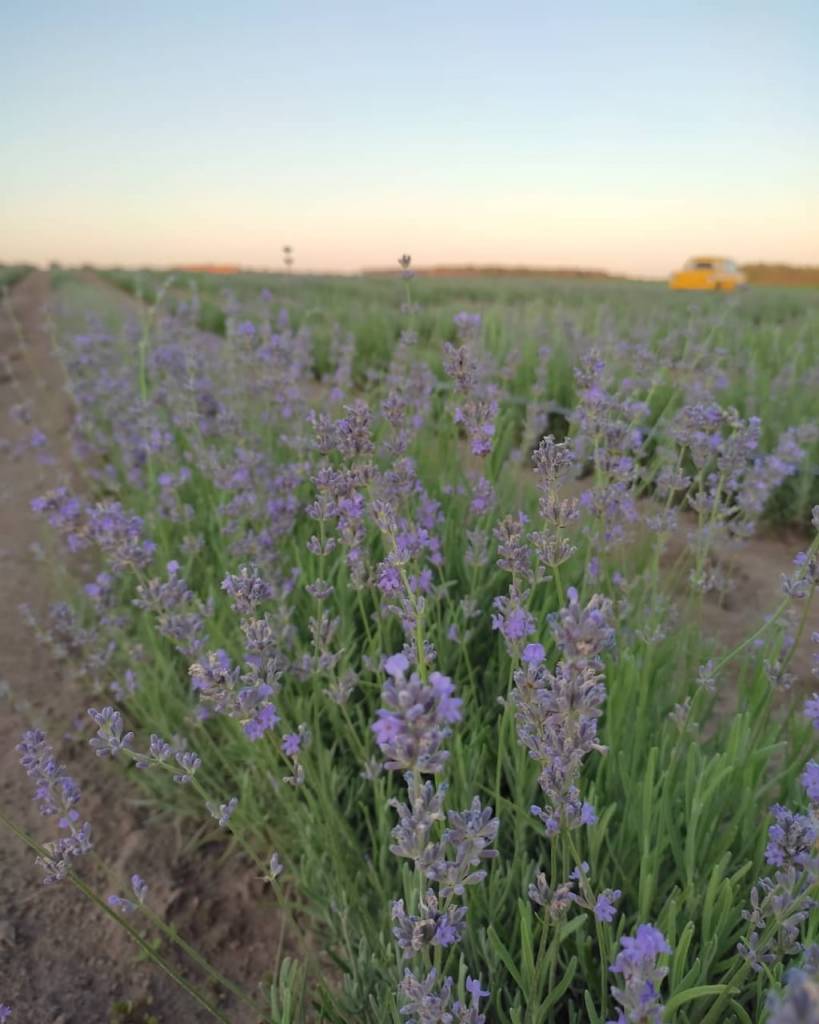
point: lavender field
(467, 625)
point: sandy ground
(61, 960)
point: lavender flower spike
(416, 718)
(639, 996)
(799, 1003)
(57, 795)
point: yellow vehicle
(708, 274)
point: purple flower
(110, 739)
(57, 795)
(810, 781)
(246, 696)
(799, 1003)
(188, 762)
(583, 633)
(415, 721)
(119, 536)
(555, 899)
(396, 665)
(605, 908)
(778, 908)
(223, 812)
(5, 1012)
(446, 931)
(790, 839)
(473, 987)
(291, 744)
(479, 403)
(247, 590)
(533, 654)
(428, 1000)
(467, 324)
(556, 715)
(512, 619)
(581, 871)
(639, 995)
(140, 888)
(121, 903)
(411, 836)
(159, 751)
(431, 926)
(179, 614)
(66, 514)
(266, 718)
(388, 579)
(811, 710)
(465, 844)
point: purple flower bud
(120, 903)
(396, 665)
(790, 839)
(109, 740)
(189, 763)
(275, 866)
(810, 780)
(139, 887)
(811, 710)
(291, 744)
(799, 1003)
(223, 812)
(533, 654)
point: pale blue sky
(623, 135)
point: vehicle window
(703, 265)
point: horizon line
(454, 269)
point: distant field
(458, 604)
(762, 347)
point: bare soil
(61, 960)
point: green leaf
(699, 992)
(558, 991)
(591, 1009)
(505, 956)
(680, 954)
(742, 1014)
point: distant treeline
(781, 274)
(758, 273)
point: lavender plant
(373, 596)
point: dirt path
(61, 960)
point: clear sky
(620, 135)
